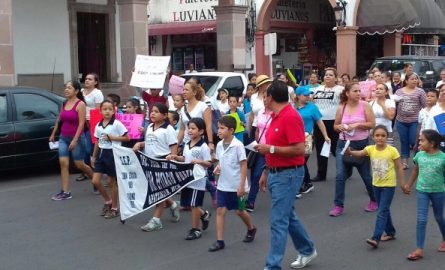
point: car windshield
(209, 83)
(397, 65)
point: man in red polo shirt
(284, 150)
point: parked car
(235, 83)
(427, 67)
(27, 117)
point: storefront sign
(303, 11)
(175, 11)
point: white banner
(150, 71)
(144, 182)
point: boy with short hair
(232, 183)
(239, 117)
(116, 100)
(173, 118)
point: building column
(347, 50)
(262, 60)
(392, 44)
(7, 72)
(231, 35)
(133, 34)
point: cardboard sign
(133, 122)
(176, 85)
(366, 87)
(150, 71)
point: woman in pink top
(353, 120)
(72, 138)
(262, 123)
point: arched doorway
(265, 23)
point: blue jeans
(423, 200)
(88, 147)
(77, 153)
(255, 175)
(283, 187)
(345, 170)
(407, 134)
(383, 223)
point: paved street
(38, 233)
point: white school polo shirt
(199, 151)
(229, 161)
(158, 141)
(114, 128)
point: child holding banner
(160, 141)
(232, 183)
(196, 152)
(109, 131)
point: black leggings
(319, 141)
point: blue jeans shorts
(78, 153)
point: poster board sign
(150, 71)
(366, 87)
(95, 118)
(176, 85)
(133, 122)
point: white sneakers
(302, 260)
(152, 225)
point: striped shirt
(410, 105)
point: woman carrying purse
(353, 120)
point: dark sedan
(27, 116)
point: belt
(280, 169)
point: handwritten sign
(133, 122)
(366, 87)
(176, 85)
(150, 71)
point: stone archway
(263, 27)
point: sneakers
(205, 220)
(81, 177)
(250, 236)
(174, 211)
(336, 211)
(298, 195)
(152, 225)
(250, 207)
(193, 234)
(112, 213)
(216, 246)
(61, 196)
(105, 209)
(303, 260)
(371, 207)
(306, 188)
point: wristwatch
(272, 149)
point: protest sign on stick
(176, 85)
(150, 71)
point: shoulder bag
(253, 155)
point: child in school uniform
(133, 107)
(160, 141)
(197, 152)
(108, 132)
(239, 117)
(232, 183)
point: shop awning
(182, 28)
(385, 16)
(431, 17)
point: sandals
(373, 243)
(414, 256)
(385, 238)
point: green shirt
(431, 170)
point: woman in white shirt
(326, 97)
(256, 101)
(93, 98)
(195, 107)
(384, 109)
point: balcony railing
(420, 49)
